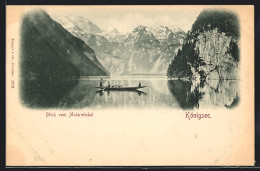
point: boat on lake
(119, 88)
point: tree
(225, 21)
(234, 50)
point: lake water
(159, 93)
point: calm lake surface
(159, 93)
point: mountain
(49, 51)
(114, 31)
(77, 24)
(147, 53)
(211, 48)
(51, 60)
(141, 37)
(144, 50)
(167, 35)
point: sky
(126, 18)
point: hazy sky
(126, 18)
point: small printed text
(70, 114)
(12, 62)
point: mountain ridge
(135, 52)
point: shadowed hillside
(50, 57)
(49, 51)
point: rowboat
(119, 88)
(101, 92)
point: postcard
(130, 85)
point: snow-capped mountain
(77, 24)
(163, 32)
(114, 31)
(144, 50)
(142, 38)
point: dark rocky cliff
(211, 50)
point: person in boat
(139, 85)
(108, 84)
(101, 82)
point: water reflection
(205, 94)
(187, 96)
(155, 95)
(159, 93)
(47, 93)
(101, 92)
